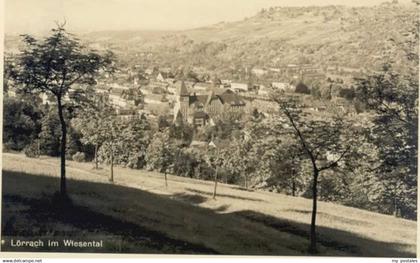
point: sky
(38, 16)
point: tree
(272, 157)
(242, 158)
(49, 136)
(322, 143)
(22, 123)
(110, 130)
(90, 122)
(392, 95)
(54, 66)
(161, 153)
(215, 159)
(282, 161)
(302, 88)
(185, 163)
(135, 138)
(182, 132)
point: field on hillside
(137, 214)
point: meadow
(138, 214)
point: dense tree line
(259, 153)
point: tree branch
(299, 134)
(335, 163)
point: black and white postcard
(196, 127)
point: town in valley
(289, 132)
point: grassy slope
(237, 222)
(295, 26)
(300, 30)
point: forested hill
(328, 36)
(355, 37)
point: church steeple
(183, 101)
(183, 91)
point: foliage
(302, 88)
(189, 164)
(21, 122)
(32, 150)
(392, 94)
(54, 66)
(90, 123)
(125, 141)
(50, 134)
(182, 132)
(282, 162)
(79, 157)
(240, 159)
(321, 142)
(135, 140)
(393, 97)
(74, 144)
(161, 152)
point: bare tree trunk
(166, 180)
(111, 176)
(63, 188)
(293, 184)
(395, 206)
(246, 181)
(96, 157)
(215, 183)
(320, 192)
(39, 149)
(312, 248)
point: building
(165, 77)
(203, 86)
(263, 91)
(200, 109)
(239, 87)
(259, 72)
(151, 70)
(284, 86)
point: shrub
(136, 161)
(7, 147)
(302, 88)
(21, 122)
(79, 157)
(32, 150)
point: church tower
(184, 101)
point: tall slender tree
(57, 65)
(321, 141)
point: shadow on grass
(350, 221)
(328, 237)
(43, 210)
(224, 195)
(79, 222)
(191, 199)
(43, 214)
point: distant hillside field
(351, 37)
(355, 39)
(144, 217)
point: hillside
(184, 218)
(357, 39)
(352, 37)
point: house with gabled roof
(200, 109)
(165, 77)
